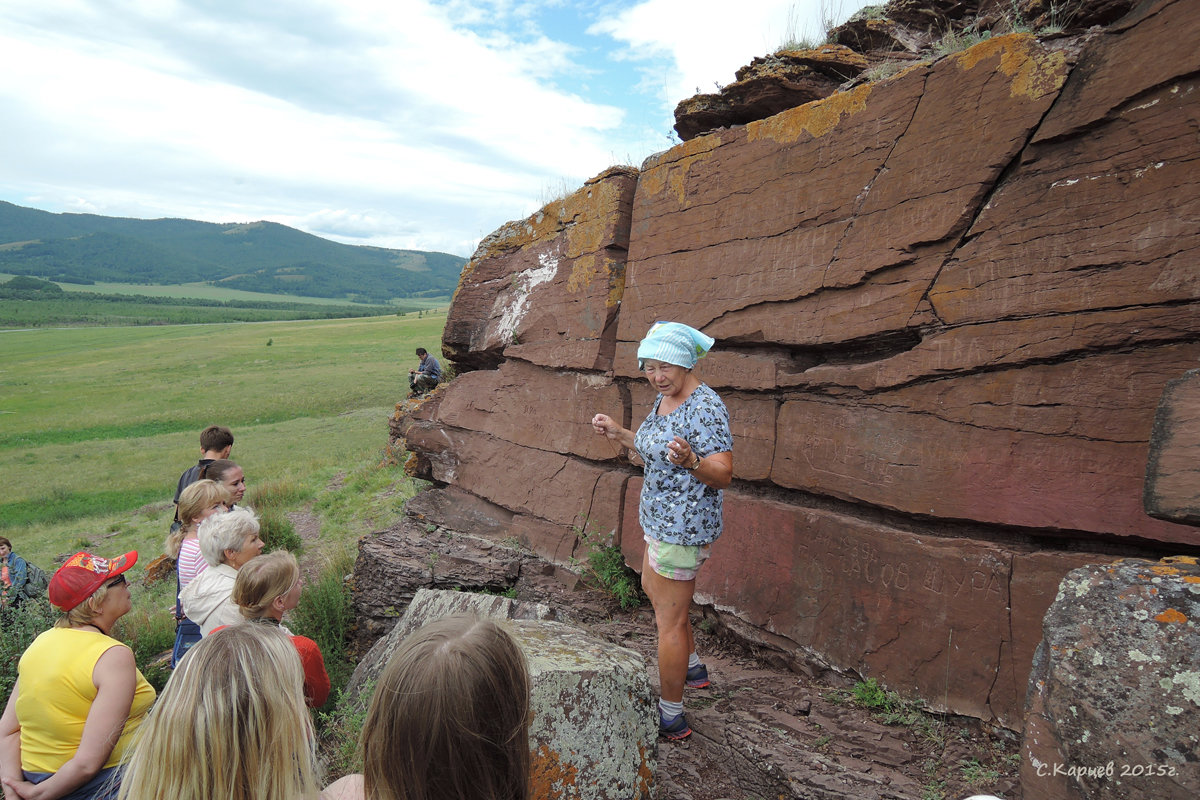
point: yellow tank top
(56, 692)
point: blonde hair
(230, 724)
(193, 501)
(263, 579)
(227, 531)
(450, 717)
(85, 612)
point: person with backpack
(14, 573)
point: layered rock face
(946, 306)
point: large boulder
(1114, 696)
(426, 606)
(594, 730)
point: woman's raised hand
(603, 425)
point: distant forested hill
(257, 257)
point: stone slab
(593, 733)
(535, 407)
(849, 190)
(936, 468)
(1101, 238)
(524, 480)
(1125, 63)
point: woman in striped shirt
(198, 502)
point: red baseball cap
(83, 574)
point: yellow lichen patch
(583, 271)
(593, 210)
(1165, 570)
(816, 118)
(1191, 578)
(616, 291)
(671, 171)
(1171, 615)
(1034, 71)
(1181, 560)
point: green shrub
(338, 732)
(150, 634)
(18, 627)
(277, 531)
(977, 775)
(604, 568)
(870, 695)
(325, 615)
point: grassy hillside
(99, 422)
(260, 256)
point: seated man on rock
(426, 376)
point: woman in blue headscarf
(688, 452)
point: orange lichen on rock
(645, 776)
(548, 774)
(1034, 71)
(1171, 615)
(1164, 570)
(816, 118)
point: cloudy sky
(421, 124)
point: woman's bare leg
(671, 600)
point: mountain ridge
(257, 256)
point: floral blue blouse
(676, 507)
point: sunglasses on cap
(117, 581)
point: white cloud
(406, 123)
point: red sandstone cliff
(946, 305)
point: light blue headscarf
(673, 343)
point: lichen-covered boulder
(594, 732)
(1113, 709)
(428, 605)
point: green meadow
(96, 424)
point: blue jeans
(104, 786)
(187, 633)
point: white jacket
(208, 600)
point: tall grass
(324, 615)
